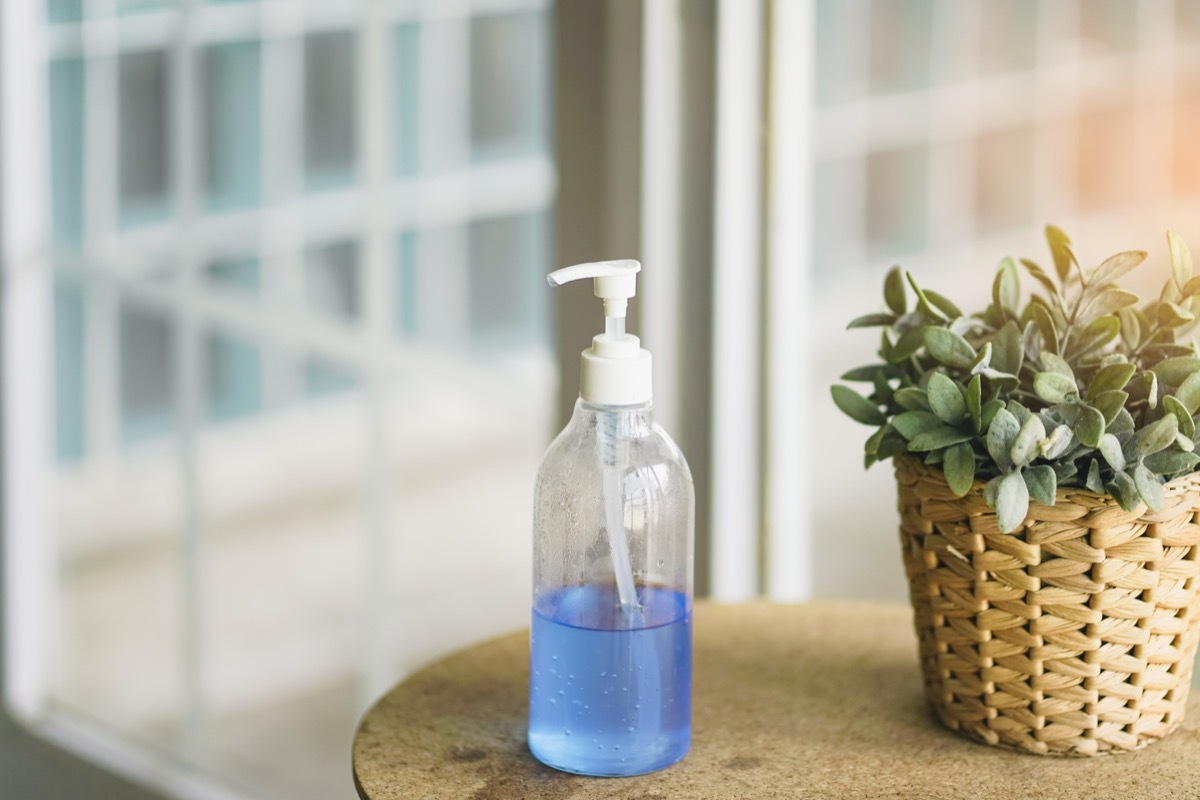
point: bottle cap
(615, 370)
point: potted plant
(1045, 455)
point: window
(297, 314)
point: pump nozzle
(615, 370)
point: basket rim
(1184, 484)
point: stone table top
(813, 701)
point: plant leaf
(1188, 393)
(1007, 352)
(1110, 378)
(909, 343)
(1012, 502)
(975, 402)
(1040, 276)
(1131, 328)
(1109, 404)
(1000, 437)
(1025, 445)
(1093, 481)
(1042, 483)
(868, 373)
(911, 398)
(1057, 443)
(1114, 267)
(1148, 487)
(1187, 425)
(872, 321)
(1171, 462)
(857, 407)
(1098, 333)
(1172, 316)
(946, 399)
(1156, 436)
(1110, 448)
(937, 439)
(894, 293)
(914, 423)
(1124, 491)
(1006, 289)
(923, 304)
(1181, 260)
(1090, 426)
(1174, 371)
(1053, 387)
(943, 304)
(1151, 384)
(1045, 326)
(1107, 302)
(959, 468)
(1060, 248)
(988, 413)
(984, 360)
(949, 348)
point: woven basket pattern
(1074, 635)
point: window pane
(323, 377)
(144, 170)
(408, 60)
(1004, 179)
(508, 301)
(238, 274)
(897, 192)
(1105, 171)
(64, 10)
(408, 305)
(901, 34)
(330, 108)
(1008, 35)
(230, 118)
(233, 367)
(331, 279)
(68, 370)
(136, 6)
(147, 373)
(508, 85)
(66, 149)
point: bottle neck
(626, 422)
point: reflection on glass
(66, 150)
(897, 193)
(64, 10)
(68, 369)
(408, 303)
(1004, 179)
(331, 279)
(143, 170)
(330, 109)
(238, 274)
(507, 306)
(230, 118)
(232, 367)
(509, 87)
(147, 372)
(900, 45)
(408, 66)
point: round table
(821, 700)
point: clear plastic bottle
(614, 507)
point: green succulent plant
(1084, 385)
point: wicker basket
(1074, 635)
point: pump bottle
(614, 507)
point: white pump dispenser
(615, 370)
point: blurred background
(279, 360)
